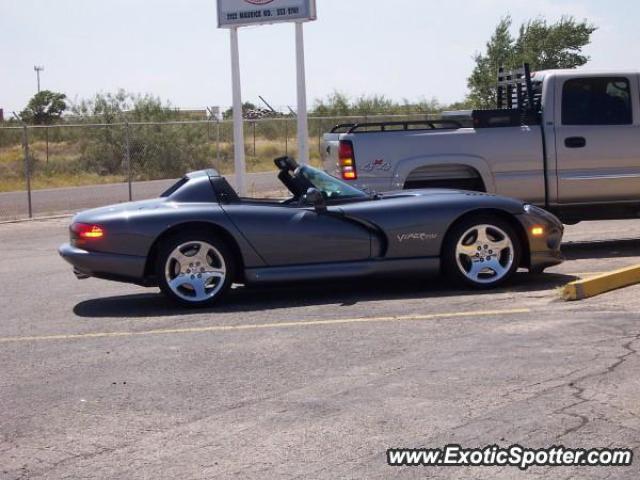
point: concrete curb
(606, 282)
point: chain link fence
(48, 170)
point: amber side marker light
(88, 231)
(537, 231)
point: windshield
(331, 187)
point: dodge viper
(199, 237)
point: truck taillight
(347, 160)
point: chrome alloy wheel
(195, 271)
(485, 254)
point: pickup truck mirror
(314, 197)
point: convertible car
(199, 237)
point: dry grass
(62, 155)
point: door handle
(575, 142)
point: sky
(414, 49)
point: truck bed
(508, 159)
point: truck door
(597, 139)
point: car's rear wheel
(194, 269)
(481, 251)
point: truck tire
(471, 184)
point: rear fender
(405, 167)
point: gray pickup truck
(565, 140)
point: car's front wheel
(194, 270)
(481, 251)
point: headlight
(542, 213)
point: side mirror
(314, 197)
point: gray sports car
(199, 237)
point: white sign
(238, 13)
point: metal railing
(64, 168)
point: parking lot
(106, 380)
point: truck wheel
(194, 269)
(482, 251)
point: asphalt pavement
(103, 380)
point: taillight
(347, 160)
(87, 231)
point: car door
(597, 139)
(294, 235)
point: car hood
(433, 192)
(412, 204)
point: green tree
(158, 149)
(542, 45)
(121, 106)
(44, 108)
(335, 104)
(338, 104)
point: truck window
(596, 101)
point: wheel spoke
(201, 254)
(468, 250)
(199, 288)
(500, 245)
(181, 258)
(179, 281)
(213, 274)
(482, 236)
(495, 265)
(476, 268)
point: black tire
(537, 270)
(459, 271)
(470, 184)
(219, 259)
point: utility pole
(238, 121)
(303, 126)
(38, 69)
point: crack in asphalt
(578, 391)
(508, 395)
(62, 462)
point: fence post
(320, 137)
(27, 167)
(286, 136)
(46, 131)
(254, 139)
(127, 157)
(218, 143)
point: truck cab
(591, 124)
(565, 140)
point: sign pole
(238, 126)
(303, 127)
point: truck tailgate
(329, 152)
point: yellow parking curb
(590, 287)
